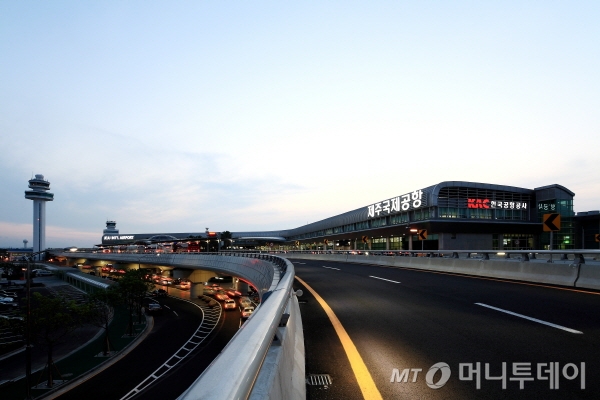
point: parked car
(154, 308)
(41, 272)
(9, 301)
(4, 293)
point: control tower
(40, 195)
(111, 228)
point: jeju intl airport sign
(117, 237)
(409, 201)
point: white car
(247, 312)
(8, 301)
(245, 302)
(229, 304)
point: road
(172, 328)
(404, 322)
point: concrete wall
(589, 277)
(282, 376)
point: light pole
(28, 325)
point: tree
(11, 270)
(100, 308)
(226, 237)
(132, 289)
(52, 320)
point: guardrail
(241, 360)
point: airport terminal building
(452, 215)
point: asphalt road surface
(425, 335)
(172, 328)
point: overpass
(269, 350)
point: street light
(28, 325)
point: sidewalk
(75, 359)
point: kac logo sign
(441, 367)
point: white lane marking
(175, 313)
(531, 319)
(331, 268)
(383, 279)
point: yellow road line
(362, 374)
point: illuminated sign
(547, 207)
(122, 237)
(487, 203)
(405, 202)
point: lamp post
(28, 324)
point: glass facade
(396, 243)
(512, 242)
(512, 215)
(378, 244)
(563, 239)
(479, 203)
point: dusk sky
(264, 115)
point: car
(9, 318)
(154, 308)
(9, 301)
(41, 272)
(245, 302)
(4, 293)
(158, 293)
(247, 312)
(233, 293)
(221, 296)
(229, 304)
(185, 284)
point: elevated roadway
(268, 353)
(423, 328)
(536, 341)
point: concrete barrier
(563, 273)
(282, 375)
(589, 277)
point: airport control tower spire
(40, 196)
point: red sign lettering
(478, 203)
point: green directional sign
(551, 222)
